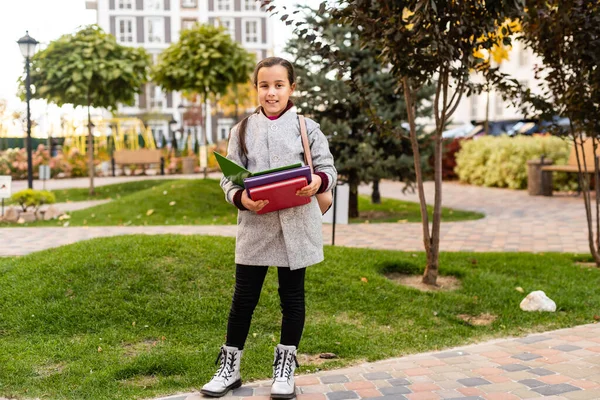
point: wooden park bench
(143, 157)
(587, 164)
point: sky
(47, 20)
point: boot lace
(227, 364)
(282, 366)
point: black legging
(249, 280)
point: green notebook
(236, 173)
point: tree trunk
(486, 124)
(431, 267)
(353, 183)
(376, 196)
(585, 190)
(91, 154)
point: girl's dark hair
(267, 62)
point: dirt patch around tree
(444, 283)
(478, 320)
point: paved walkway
(563, 364)
(514, 221)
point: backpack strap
(304, 135)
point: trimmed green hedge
(502, 161)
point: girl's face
(274, 89)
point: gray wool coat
(286, 238)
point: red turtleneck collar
(287, 107)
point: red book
(280, 194)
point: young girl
(290, 239)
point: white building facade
(521, 66)
(155, 24)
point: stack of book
(278, 186)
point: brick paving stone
(541, 371)
(554, 379)
(497, 378)
(348, 394)
(451, 354)
(532, 383)
(555, 389)
(566, 347)
(473, 382)
(372, 376)
(526, 356)
(359, 385)
(337, 387)
(311, 396)
(533, 339)
(514, 367)
(423, 396)
(395, 390)
(368, 393)
(418, 371)
(243, 391)
(470, 391)
(424, 387)
(468, 398)
(390, 397)
(399, 382)
(334, 379)
(501, 396)
(306, 380)
(315, 389)
(505, 387)
(526, 394)
(583, 395)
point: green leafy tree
(345, 89)
(205, 61)
(89, 68)
(565, 34)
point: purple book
(278, 176)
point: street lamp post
(172, 125)
(27, 44)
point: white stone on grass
(538, 301)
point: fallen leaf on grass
(520, 289)
(149, 212)
(99, 349)
(364, 279)
(402, 221)
(172, 203)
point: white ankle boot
(227, 376)
(284, 365)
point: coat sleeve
(235, 154)
(321, 155)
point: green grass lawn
(201, 202)
(140, 316)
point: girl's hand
(251, 205)
(311, 189)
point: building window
(224, 5)
(499, 106)
(523, 57)
(125, 4)
(125, 30)
(189, 3)
(153, 5)
(252, 31)
(188, 23)
(251, 5)
(474, 104)
(228, 24)
(223, 128)
(156, 97)
(155, 30)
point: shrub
(502, 161)
(30, 198)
